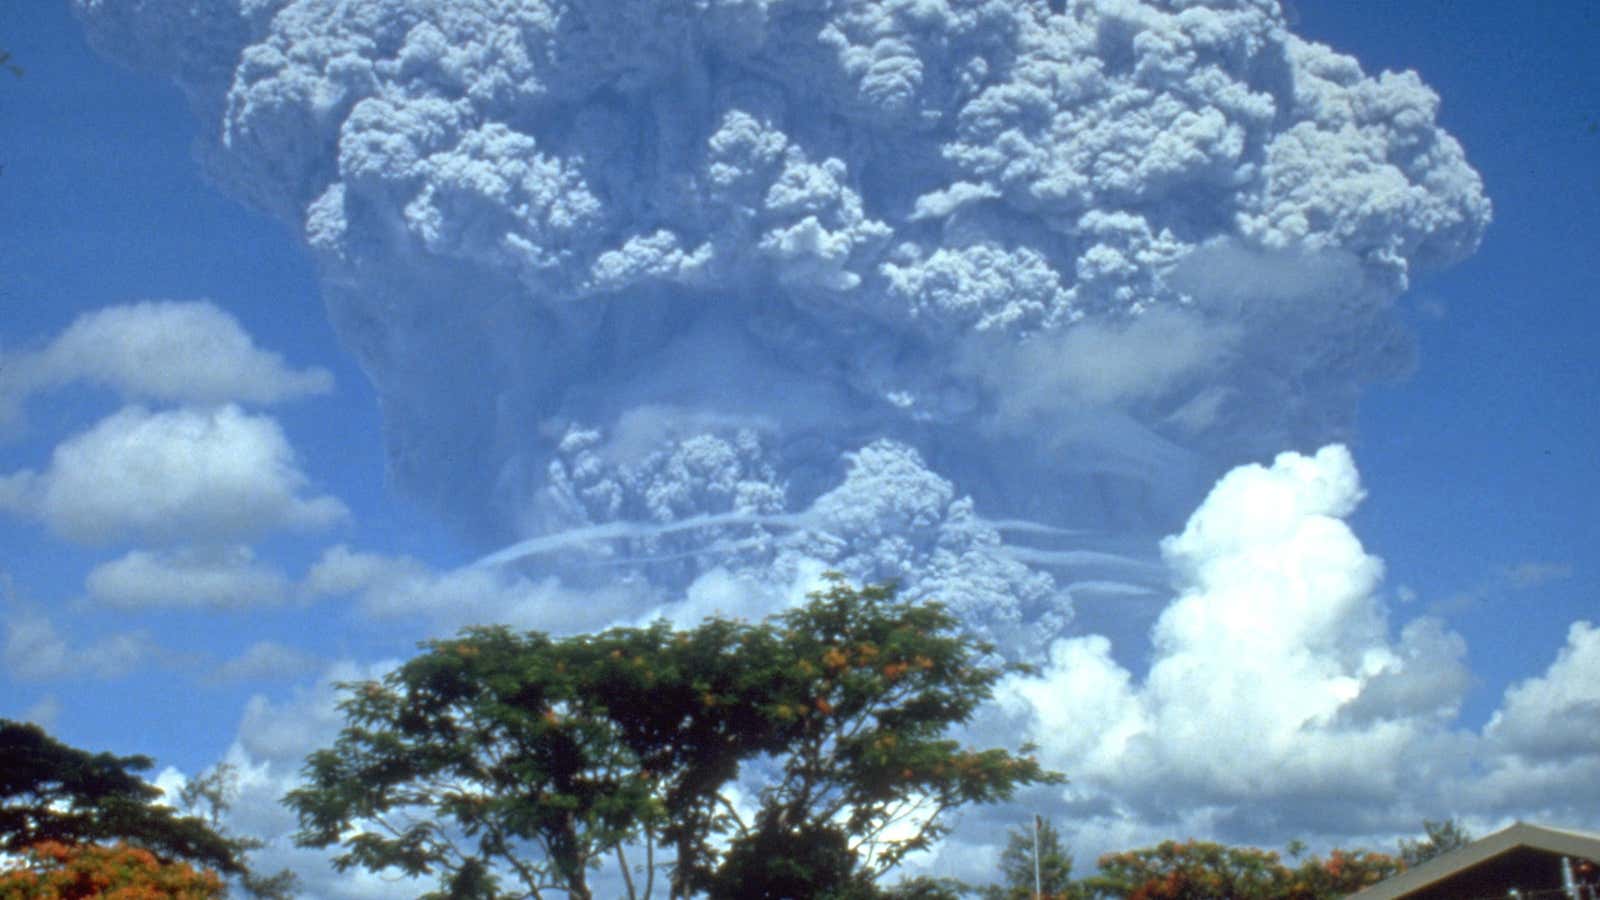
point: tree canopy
(1202, 870)
(50, 792)
(1017, 871)
(506, 764)
(1437, 838)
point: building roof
(1502, 845)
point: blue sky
(1485, 457)
(145, 225)
(1479, 466)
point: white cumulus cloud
(170, 351)
(1555, 715)
(1273, 674)
(389, 587)
(213, 577)
(265, 660)
(35, 650)
(173, 476)
(1538, 758)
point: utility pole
(1038, 886)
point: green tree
(514, 763)
(50, 792)
(1017, 869)
(870, 687)
(1437, 838)
(478, 758)
(683, 711)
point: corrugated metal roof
(1563, 841)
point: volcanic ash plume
(903, 287)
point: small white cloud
(264, 661)
(181, 475)
(283, 731)
(170, 782)
(16, 491)
(389, 587)
(1538, 755)
(206, 577)
(342, 571)
(723, 594)
(1555, 715)
(35, 651)
(44, 713)
(186, 352)
(1535, 573)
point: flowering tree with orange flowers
(53, 870)
(1202, 870)
(506, 764)
(1190, 870)
(1341, 874)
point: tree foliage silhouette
(52, 792)
(505, 763)
(1437, 838)
(1017, 867)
